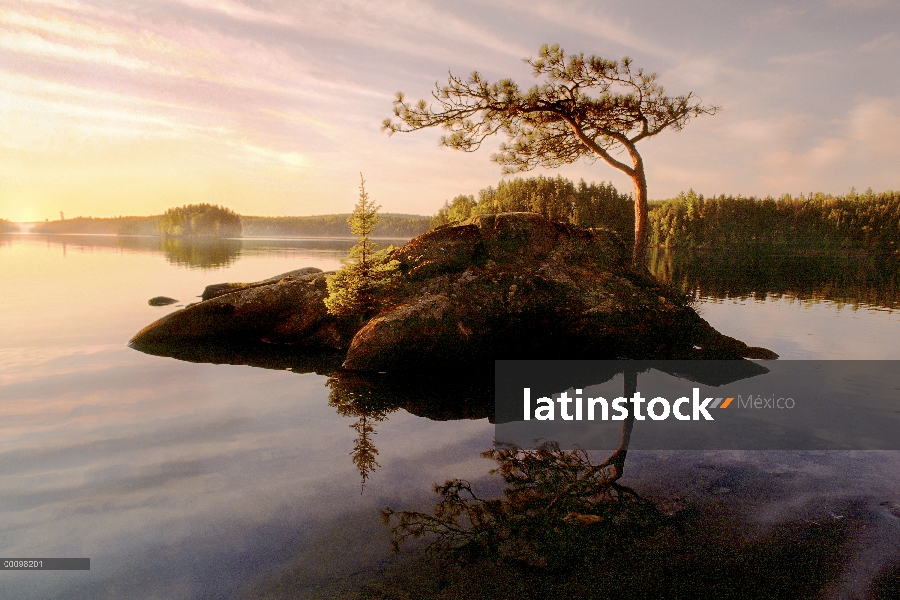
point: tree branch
(597, 149)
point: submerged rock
(161, 301)
(515, 285)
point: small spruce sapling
(354, 289)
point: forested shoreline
(589, 205)
(857, 222)
(863, 222)
(102, 226)
(818, 222)
(390, 225)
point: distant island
(200, 220)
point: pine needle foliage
(582, 108)
(354, 289)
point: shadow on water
(757, 272)
(561, 524)
(564, 526)
(436, 395)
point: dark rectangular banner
(699, 405)
(45, 564)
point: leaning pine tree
(584, 107)
(353, 290)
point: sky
(274, 107)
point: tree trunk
(641, 218)
(617, 459)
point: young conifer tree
(353, 289)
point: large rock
(515, 285)
(289, 310)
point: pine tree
(585, 107)
(354, 288)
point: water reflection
(622, 546)
(564, 526)
(354, 397)
(439, 396)
(193, 253)
(758, 272)
(201, 253)
(185, 480)
(561, 512)
(371, 397)
(558, 507)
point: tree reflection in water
(557, 506)
(564, 526)
(759, 271)
(201, 252)
(355, 396)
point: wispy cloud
(887, 41)
(773, 17)
(605, 25)
(803, 57)
(859, 4)
(239, 11)
(281, 96)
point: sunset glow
(273, 108)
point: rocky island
(513, 285)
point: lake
(198, 480)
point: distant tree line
(138, 226)
(192, 220)
(590, 205)
(863, 222)
(389, 225)
(200, 220)
(111, 225)
(868, 221)
(7, 226)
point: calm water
(184, 480)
